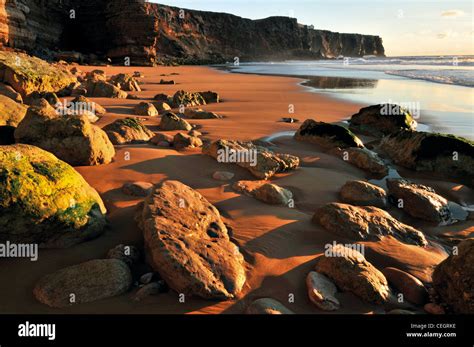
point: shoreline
(322, 85)
(279, 243)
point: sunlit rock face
(148, 33)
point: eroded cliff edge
(153, 33)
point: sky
(408, 27)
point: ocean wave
(455, 77)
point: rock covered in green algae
(27, 74)
(44, 200)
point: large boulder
(187, 99)
(71, 138)
(362, 193)
(86, 282)
(453, 278)
(187, 242)
(102, 89)
(128, 130)
(448, 155)
(260, 161)
(44, 200)
(26, 74)
(327, 135)
(125, 82)
(383, 119)
(170, 121)
(420, 201)
(365, 223)
(11, 112)
(351, 272)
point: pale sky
(408, 27)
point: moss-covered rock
(128, 130)
(11, 112)
(327, 135)
(71, 138)
(382, 119)
(27, 74)
(44, 200)
(448, 155)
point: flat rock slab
(188, 244)
(90, 281)
(260, 161)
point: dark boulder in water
(327, 135)
(382, 119)
(449, 155)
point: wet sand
(279, 243)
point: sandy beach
(279, 244)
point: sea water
(442, 87)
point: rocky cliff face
(149, 33)
(31, 24)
